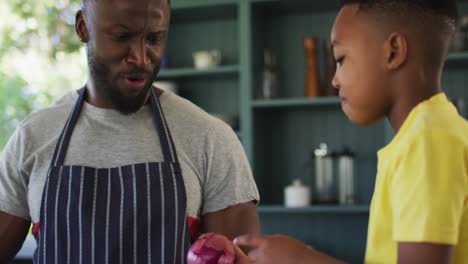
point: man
(118, 171)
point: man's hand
(279, 249)
(13, 231)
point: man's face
(126, 43)
(359, 76)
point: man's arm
(13, 231)
(426, 253)
(233, 221)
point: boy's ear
(396, 50)
(80, 27)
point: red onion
(211, 248)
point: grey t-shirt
(214, 166)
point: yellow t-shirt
(421, 189)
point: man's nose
(138, 54)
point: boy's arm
(424, 253)
(279, 249)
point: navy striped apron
(131, 214)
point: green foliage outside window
(40, 57)
(16, 102)
(50, 19)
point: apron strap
(62, 145)
(167, 144)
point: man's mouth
(135, 82)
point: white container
(205, 59)
(296, 195)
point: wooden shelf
(314, 209)
(321, 5)
(202, 10)
(297, 102)
(192, 72)
(457, 58)
(297, 6)
(184, 4)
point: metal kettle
(334, 176)
(325, 181)
(345, 168)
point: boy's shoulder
(440, 124)
(433, 127)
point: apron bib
(135, 213)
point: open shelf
(184, 4)
(313, 209)
(200, 10)
(192, 72)
(297, 102)
(457, 58)
(297, 6)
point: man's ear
(396, 50)
(80, 27)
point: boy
(390, 56)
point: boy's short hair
(443, 12)
(433, 21)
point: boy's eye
(339, 61)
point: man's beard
(107, 85)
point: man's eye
(121, 36)
(154, 39)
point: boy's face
(359, 77)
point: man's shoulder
(189, 115)
(54, 115)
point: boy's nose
(335, 82)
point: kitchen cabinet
(286, 131)
(279, 135)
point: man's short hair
(85, 3)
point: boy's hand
(241, 258)
(279, 249)
(273, 249)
